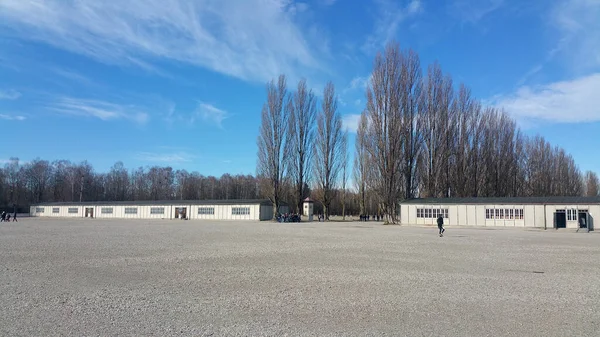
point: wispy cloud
(210, 114)
(9, 94)
(572, 101)
(154, 157)
(12, 117)
(105, 111)
(388, 18)
(217, 35)
(472, 11)
(578, 25)
(350, 122)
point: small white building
(540, 212)
(172, 209)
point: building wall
(219, 212)
(540, 216)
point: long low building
(540, 212)
(172, 209)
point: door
(583, 219)
(89, 212)
(560, 219)
(180, 212)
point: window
(432, 213)
(106, 210)
(207, 211)
(519, 214)
(572, 215)
(497, 212)
(73, 210)
(157, 210)
(130, 210)
(55, 210)
(511, 214)
(489, 214)
(39, 209)
(240, 211)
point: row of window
(432, 213)
(206, 211)
(106, 210)
(240, 211)
(503, 214)
(157, 210)
(130, 210)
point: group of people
(6, 217)
(371, 217)
(288, 217)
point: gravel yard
(161, 278)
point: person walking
(15, 216)
(440, 223)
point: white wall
(221, 212)
(475, 215)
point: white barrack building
(540, 212)
(172, 209)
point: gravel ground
(164, 278)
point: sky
(182, 82)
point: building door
(583, 220)
(180, 212)
(560, 218)
(89, 212)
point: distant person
(440, 223)
(3, 216)
(8, 218)
(15, 216)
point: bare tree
(303, 110)
(271, 141)
(410, 97)
(328, 148)
(344, 159)
(592, 186)
(384, 137)
(361, 163)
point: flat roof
(163, 202)
(506, 200)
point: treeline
(62, 181)
(422, 135)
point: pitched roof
(506, 200)
(264, 202)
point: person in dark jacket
(440, 223)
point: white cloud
(472, 11)
(388, 18)
(98, 109)
(578, 25)
(572, 101)
(211, 114)
(357, 83)
(218, 35)
(12, 117)
(350, 122)
(9, 94)
(153, 157)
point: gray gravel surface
(80, 277)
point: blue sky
(182, 83)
